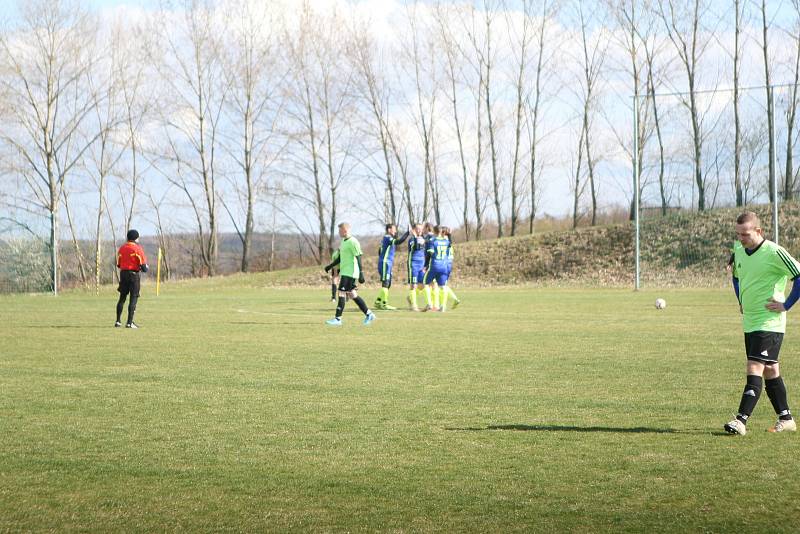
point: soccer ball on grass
(661, 304)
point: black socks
(132, 308)
(120, 305)
(361, 305)
(776, 391)
(752, 391)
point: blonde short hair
(748, 216)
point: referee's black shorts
(129, 283)
(763, 346)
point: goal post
(668, 154)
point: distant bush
(24, 266)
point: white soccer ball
(661, 304)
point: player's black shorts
(762, 346)
(347, 283)
(129, 283)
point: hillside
(681, 249)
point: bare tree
(628, 19)
(191, 118)
(476, 80)
(111, 111)
(162, 234)
(578, 184)
(534, 102)
(592, 58)
(374, 89)
(79, 258)
(522, 45)
(48, 59)
(454, 58)
(137, 104)
(651, 50)
(320, 101)
(790, 178)
(682, 19)
(419, 53)
(249, 59)
(487, 56)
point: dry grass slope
(686, 249)
(681, 249)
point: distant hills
(681, 249)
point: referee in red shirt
(130, 260)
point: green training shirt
(349, 249)
(762, 276)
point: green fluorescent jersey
(349, 250)
(762, 276)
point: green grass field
(234, 408)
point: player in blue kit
(430, 232)
(416, 264)
(437, 266)
(385, 263)
(448, 291)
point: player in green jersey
(349, 262)
(760, 271)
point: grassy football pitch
(235, 408)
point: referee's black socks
(776, 391)
(752, 391)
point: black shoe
(117, 324)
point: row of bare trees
(198, 116)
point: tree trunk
(78, 254)
(478, 162)
(578, 188)
(590, 168)
(493, 154)
(54, 250)
(98, 260)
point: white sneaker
(117, 324)
(783, 426)
(131, 325)
(735, 427)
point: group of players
(760, 270)
(429, 265)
